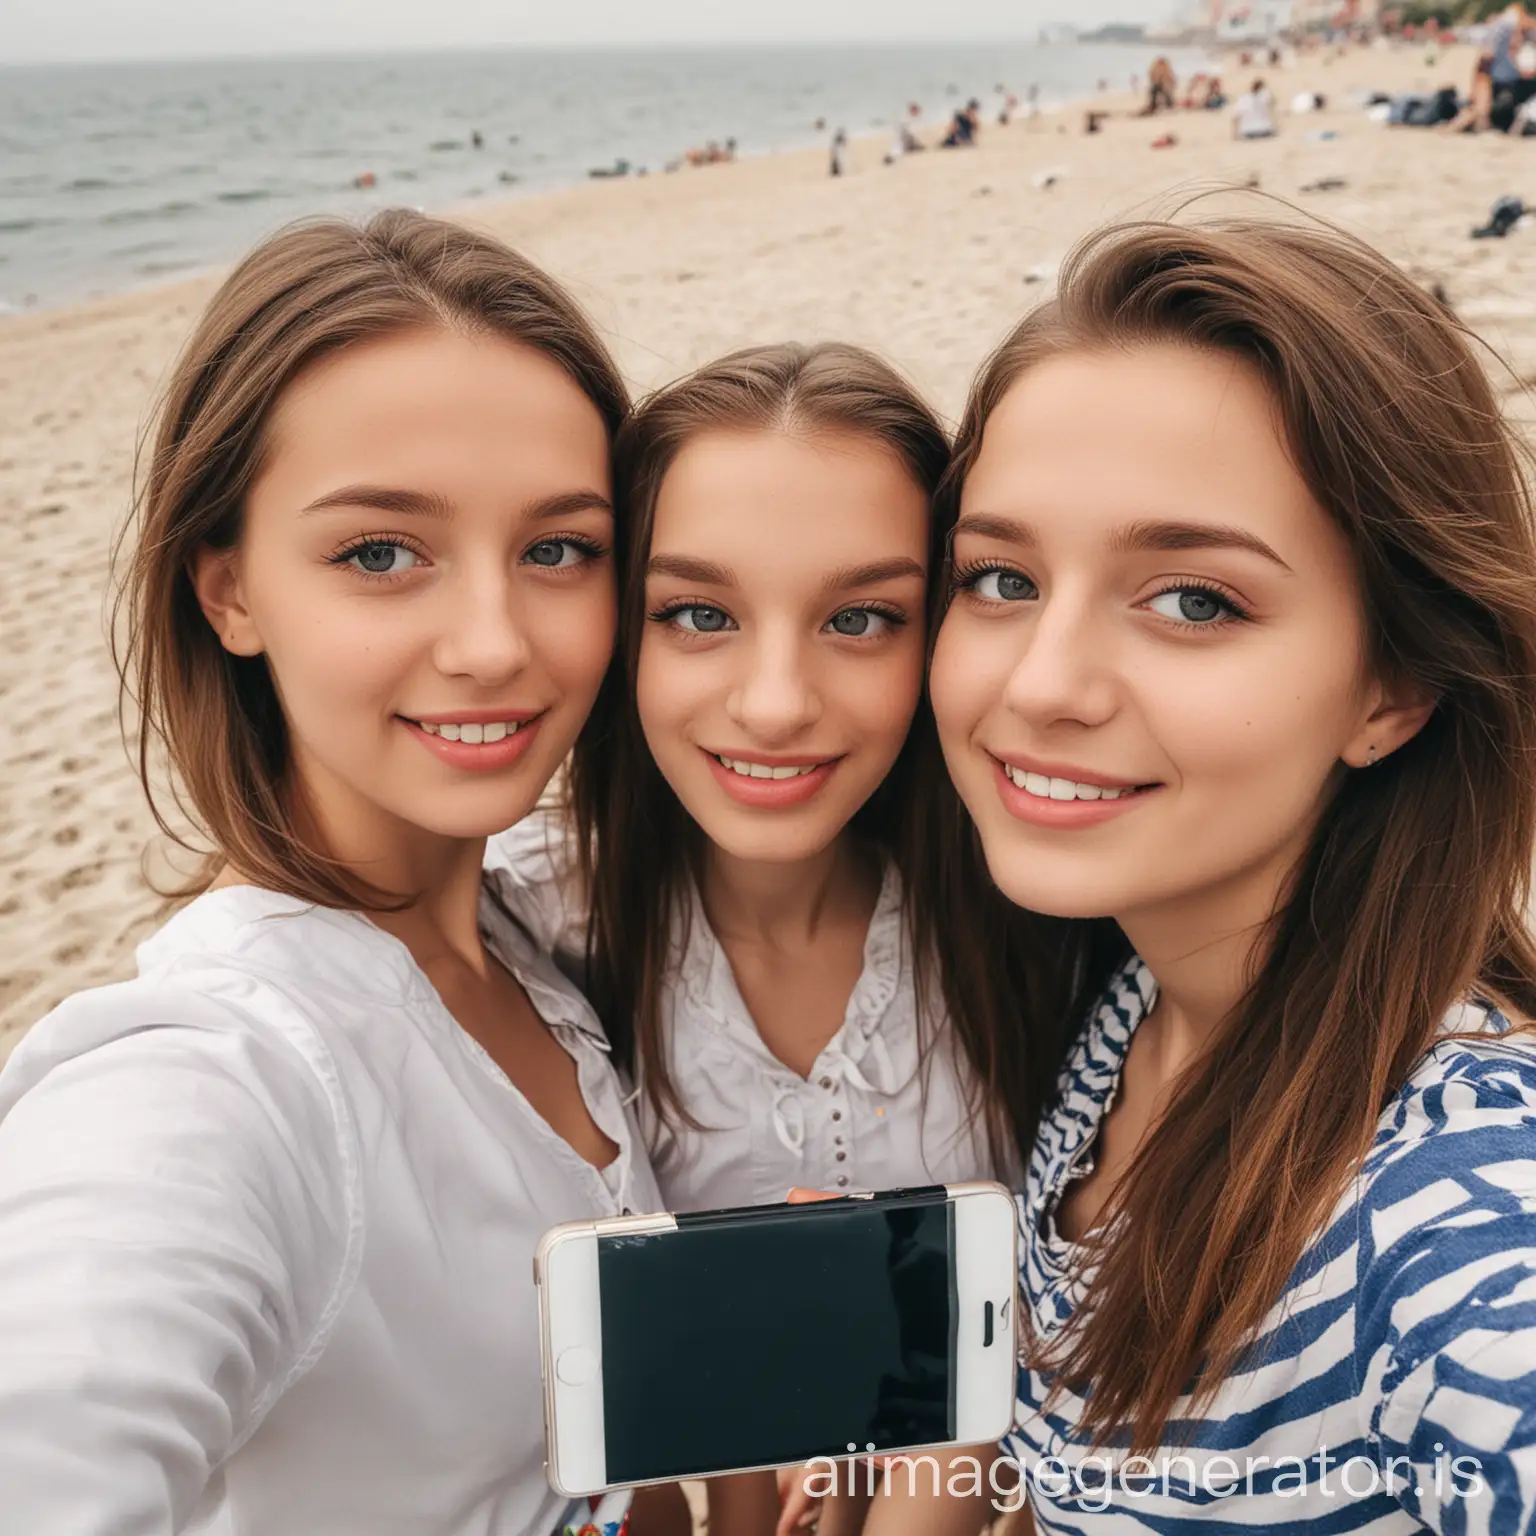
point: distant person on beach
(1253, 113)
(780, 964)
(1162, 88)
(837, 160)
(903, 142)
(965, 127)
(268, 1210)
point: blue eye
(1001, 586)
(1192, 605)
(378, 558)
(701, 619)
(862, 623)
(552, 554)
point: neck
(441, 873)
(1204, 950)
(786, 905)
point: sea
(123, 175)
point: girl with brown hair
(1238, 683)
(267, 1211)
(805, 980)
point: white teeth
(1044, 788)
(763, 770)
(474, 733)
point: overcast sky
(44, 30)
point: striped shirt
(1393, 1386)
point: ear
(215, 577)
(1394, 716)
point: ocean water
(117, 176)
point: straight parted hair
(303, 295)
(640, 846)
(1412, 893)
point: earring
(1370, 756)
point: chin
(1029, 884)
(473, 816)
(768, 843)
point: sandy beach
(928, 261)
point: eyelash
(965, 578)
(588, 545)
(373, 541)
(1235, 614)
(669, 611)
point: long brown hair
(1413, 889)
(641, 846)
(307, 292)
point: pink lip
(482, 758)
(1066, 814)
(773, 794)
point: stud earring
(1370, 756)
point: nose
(479, 636)
(774, 697)
(1065, 673)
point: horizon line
(689, 45)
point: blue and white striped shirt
(1393, 1386)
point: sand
(927, 260)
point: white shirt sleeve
(178, 1224)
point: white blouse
(886, 1106)
(267, 1216)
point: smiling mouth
(1044, 787)
(748, 770)
(474, 733)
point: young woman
(1249, 704)
(782, 948)
(267, 1211)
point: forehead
(755, 498)
(1089, 440)
(417, 401)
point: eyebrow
(873, 571)
(409, 503)
(1133, 538)
(686, 568)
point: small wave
(443, 144)
(251, 195)
(21, 226)
(89, 184)
(145, 248)
(149, 215)
(164, 268)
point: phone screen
(777, 1338)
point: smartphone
(729, 1341)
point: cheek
(967, 674)
(330, 646)
(1277, 716)
(570, 635)
(672, 698)
(881, 695)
